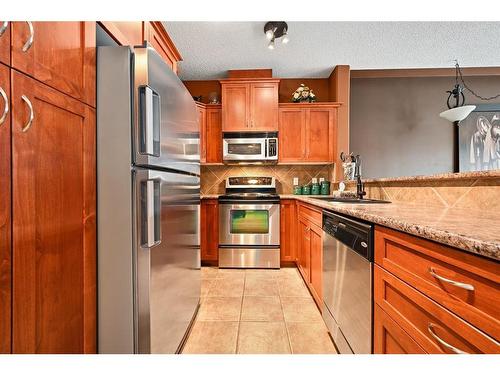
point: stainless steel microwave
(250, 148)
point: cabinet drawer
(311, 214)
(431, 326)
(389, 337)
(423, 264)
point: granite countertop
(469, 230)
(473, 231)
(434, 177)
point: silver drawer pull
(430, 328)
(4, 26)
(29, 42)
(6, 106)
(449, 281)
(32, 114)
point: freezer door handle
(150, 119)
(151, 213)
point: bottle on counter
(324, 186)
(306, 190)
(315, 188)
(297, 189)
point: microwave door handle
(150, 226)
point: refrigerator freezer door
(166, 129)
(167, 209)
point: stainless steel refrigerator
(148, 202)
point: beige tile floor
(257, 312)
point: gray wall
(395, 124)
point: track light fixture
(275, 30)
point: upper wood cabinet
(307, 132)
(5, 42)
(209, 229)
(60, 54)
(54, 233)
(249, 105)
(202, 124)
(213, 133)
(288, 232)
(138, 32)
(5, 212)
(209, 116)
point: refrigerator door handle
(151, 211)
(150, 120)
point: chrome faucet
(360, 191)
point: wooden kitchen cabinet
(249, 105)
(316, 243)
(60, 54)
(307, 132)
(213, 132)
(137, 32)
(430, 325)
(389, 337)
(203, 132)
(209, 116)
(288, 232)
(310, 249)
(54, 223)
(5, 42)
(5, 212)
(209, 231)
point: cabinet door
(5, 42)
(213, 120)
(292, 135)
(209, 229)
(235, 98)
(320, 135)
(264, 106)
(389, 337)
(305, 250)
(54, 243)
(288, 235)
(203, 133)
(62, 55)
(5, 210)
(159, 39)
(316, 235)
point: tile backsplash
(213, 176)
(468, 193)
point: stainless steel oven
(250, 148)
(249, 224)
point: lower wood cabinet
(310, 249)
(439, 298)
(53, 219)
(288, 231)
(209, 231)
(5, 212)
(389, 337)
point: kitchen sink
(350, 200)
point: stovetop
(250, 188)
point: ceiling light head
(271, 44)
(275, 30)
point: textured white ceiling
(209, 49)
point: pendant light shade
(457, 114)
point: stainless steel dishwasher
(347, 282)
